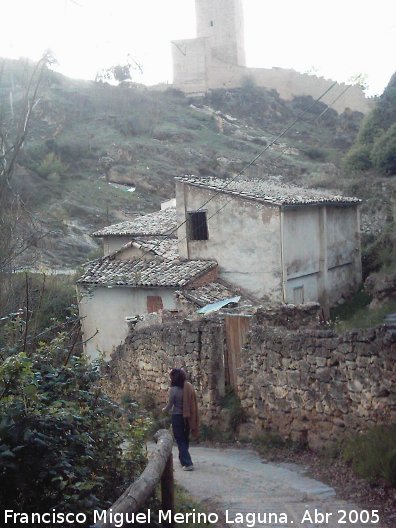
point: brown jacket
(190, 408)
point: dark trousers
(181, 434)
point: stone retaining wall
(141, 366)
(314, 385)
(307, 384)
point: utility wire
(249, 164)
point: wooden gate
(236, 326)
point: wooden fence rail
(159, 468)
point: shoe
(188, 468)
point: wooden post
(135, 496)
(168, 489)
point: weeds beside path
(337, 474)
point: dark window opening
(197, 226)
(211, 23)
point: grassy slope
(152, 137)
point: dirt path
(238, 482)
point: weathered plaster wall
(105, 309)
(244, 239)
(134, 252)
(301, 252)
(112, 243)
(343, 251)
(321, 252)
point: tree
(375, 144)
(384, 151)
(18, 228)
(119, 72)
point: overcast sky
(338, 39)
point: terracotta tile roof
(142, 273)
(160, 223)
(163, 247)
(268, 192)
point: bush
(373, 454)
(360, 300)
(358, 159)
(73, 151)
(316, 153)
(384, 152)
(370, 129)
(50, 297)
(63, 443)
(51, 166)
(232, 403)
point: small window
(154, 303)
(298, 295)
(211, 23)
(197, 227)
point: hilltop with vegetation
(92, 154)
(89, 144)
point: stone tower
(215, 59)
(221, 22)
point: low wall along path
(292, 377)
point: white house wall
(105, 309)
(344, 253)
(244, 238)
(301, 252)
(321, 253)
(112, 243)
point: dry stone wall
(296, 378)
(141, 366)
(314, 385)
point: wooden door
(237, 327)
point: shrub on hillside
(358, 159)
(49, 297)
(316, 153)
(376, 141)
(370, 130)
(51, 167)
(384, 151)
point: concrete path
(236, 481)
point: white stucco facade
(321, 253)
(276, 253)
(104, 310)
(244, 239)
(112, 243)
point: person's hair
(177, 377)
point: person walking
(182, 403)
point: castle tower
(215, 59)
(221, 22)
